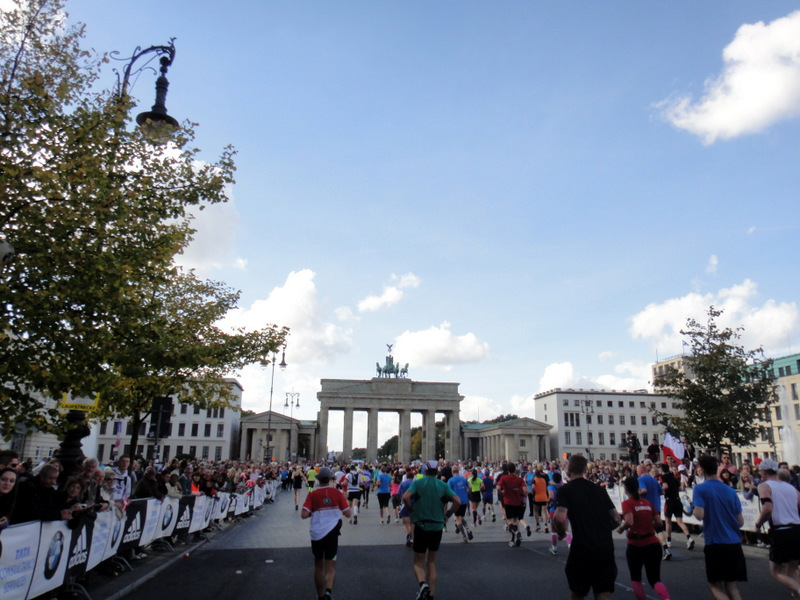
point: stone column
(404, 437)
(322, 436)
(453, 447)
(372, 435)
(347, 442)
(429, 439)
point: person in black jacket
(36, 499)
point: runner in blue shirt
(384, 492)
(460, 486)
(488, 494)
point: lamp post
(158, 126)
(267, 454)
(292, 400)
(587, 408)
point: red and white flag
(673, 447)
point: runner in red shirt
(515, 492)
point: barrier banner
(168, 518)
(233, 504)
(222, 500)
(51, 560)
(101, 533)
(136, 516)
(152, 521)
(185, 510)
(242, 503)
(19, 546)
(198, 514)
(79, 546)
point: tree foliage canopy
(721, 389)
(91, 299)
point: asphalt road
(268, 555)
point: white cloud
(478, 408)
(759, 84)
(213, 246)
(769, 325)
(628, 376)
(392, 294)
(606, 354)
(524, 406)
(437, 346)
(713, 263)
(311, 340)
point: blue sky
(517, 195)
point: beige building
(292, 440)
(522, 439)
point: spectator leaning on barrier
(8, 494)
(122, 482)
(36, 499)
(148, 485)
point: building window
(633, 420)
(797, 411)
(208, 414)
(602, 456)
(565, 402)
(222, 413)
(207, 430)
(778, 413)
(184, 408)
(610, 419)
(218, 453)
(221, 430)
(613, 456)
(567, 438)
(631, 404)
(589, 438)
(599, 419)
(588, 419)
(578, 438)
(653, 405)
(612, 438)
(179, 450)
(663, 405)
(193, 451)
(609, 404)
(521, 442)
(566, 419)
(129, 428)
(195, 427)
(644, 419)
(101, 448)
(780, 372)
(181, 429)
(205, 451)
(641, 404)
(794, 391)
(621, 404)
(622, 419)
(197, 410)
(103, 427)
(601, 438)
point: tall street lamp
(158, 126)
(292, 401)
(283, 365)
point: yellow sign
(70, 402)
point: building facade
(522, 439)
(595, 422)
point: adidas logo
(80, 554)
(186, 519)
(135, 530)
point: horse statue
(378, 366)
(388, 368)
(404, 371)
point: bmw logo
(54, 555)
(168, 514)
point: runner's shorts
(328, 546)
(725, 562)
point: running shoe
(494, 518)
(505, 527)
(409, 543)
(538, 529)
(547, 529)
(690, 544)
(355, 520)
(528, 530)
(553, 550)
(424, 592)
(669, 543)
(328, 595)
(667, 555)
(518, 541)
(469, 534)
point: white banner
(19, 546)
(198, 513)
(51, 563)
(168, 517)
(152, 521)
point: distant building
(522, 439)
(205, 433)
(595, 422)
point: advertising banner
(135, 518)
(19, 546)
(185, 510)
(152, 521)
(198, 514)
(168, 518)
(51, 560)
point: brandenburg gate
(400, 395)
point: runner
(460, 487)
(475, 489)
(673, 507)
(297, 483)
(540, 483)
(311, 476)
(430, 497)
(353, 483)
(644, 549)
(325, 506)
(514, 493)
(488, 494)
(779, 501)
(384, 490)
(405, 514)
(552, 494)
(650, 489)
(366, 483)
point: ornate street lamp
(292, 401)
(282, 365)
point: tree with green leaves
(721, 389)
(96, 213)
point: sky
(517, 196)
